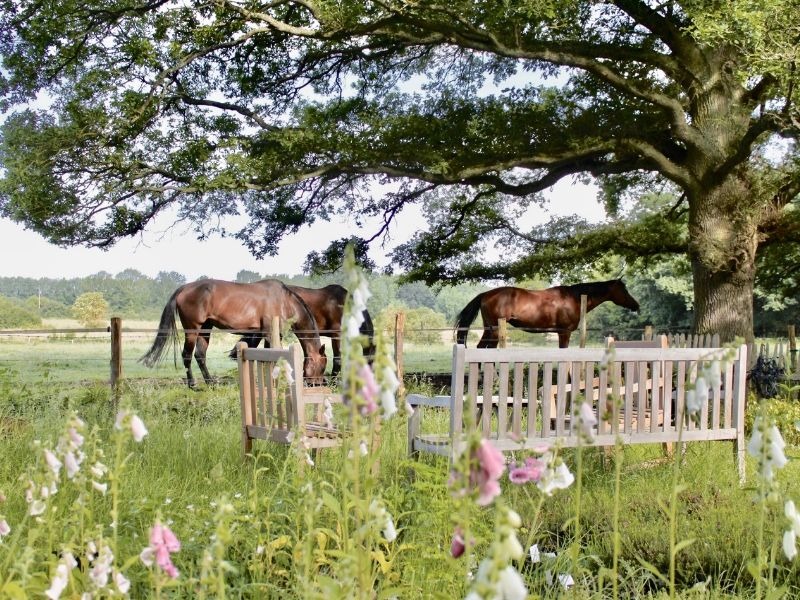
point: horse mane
(591, 288)
(303, 304)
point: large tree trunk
(724, 238)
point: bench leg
(413, 431)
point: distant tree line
(665, 297)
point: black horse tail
(167, 332)
(465, 318)
(368, 329)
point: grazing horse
(554, 309)
(209, 303)
(327, 306)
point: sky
(162, 248)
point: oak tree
(290, 111)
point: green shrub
(14, 316)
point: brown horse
(209, 303)
(327, 306)
(554, 309)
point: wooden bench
(507, 375)
(274, 410)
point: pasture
(275, 527)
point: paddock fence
(109, 355)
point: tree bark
(724, 239)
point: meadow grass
(273, 527)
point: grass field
(272, 527)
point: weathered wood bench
(639, 412)
(275, 411)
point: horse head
(314, 364)
(620, 296)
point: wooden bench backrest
(511, 376)
(268, 402)
(660, 341)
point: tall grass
(272, 527)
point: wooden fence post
(792, 351)
(116, 358)
(399, 328)
(502, 333)
(648, 333)
(275, 333)
(582, 322)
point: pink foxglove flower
(531, 471)
(490, 468)
(5, 529)
(162, 543)
(52, 462)
(369, 390)
(457, 545)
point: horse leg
(200, 354)
(563, 339)
(336, 348)
(188, 351)
(490, 337)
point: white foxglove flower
(790, 544)
(138, 429)
(71, 465)
(122, 583)
(510, 585)
(5, 528)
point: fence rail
(783, 350)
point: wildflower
(138, 429)
(126, 418)
(71, 464)
(555, 476)
(531, 471)
(390, 384)
(162, 543)
(36, 508)
(5, 529)
(98, 469)
(122, 582)
(457, 545)
(61, 578)
(490, 468)
(52, 462)
(510, 585)
(75, 437)
(327, 416)
(101, 568)
(352, 327)
(100, 487)
(586, 420)
(286, 369)
(389, 532)
(766, 444)
(790, 535)
(369, 391)
(715, 374)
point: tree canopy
(297, 110)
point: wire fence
(101, 355)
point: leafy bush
(91, 309)
(783, 410)
(48, 308)
(14, 315)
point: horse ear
(322, 349)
